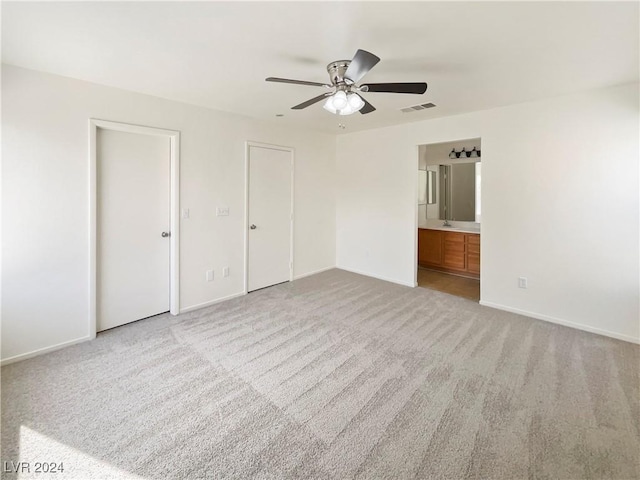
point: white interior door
(133, 202)
(270, 218)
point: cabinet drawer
(473, 239)
(453, 247)
(455, 260)
(454, 237)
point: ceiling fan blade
(296, 82)
(368, 108)
(310, 102)
(362, 62)
(417, 88)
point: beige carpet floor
(333, 376)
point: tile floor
(443, 282)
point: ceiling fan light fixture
(342, 104)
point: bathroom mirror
(450, 191)
(457, 192)
(449, 188)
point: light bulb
(340, 100)
(355, 102)
(328, 105)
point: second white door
(270, 217)
(133, 247)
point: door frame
(174, 210)
(416, 207)
(291, 150)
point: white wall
(560, 205)
(376, 201)
(45, 191)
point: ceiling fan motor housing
(337, 70)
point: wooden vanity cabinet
(454, 252)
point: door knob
(253, 227)
(166, 234)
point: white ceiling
(473, 55)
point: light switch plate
(185, 213)
(222, 211)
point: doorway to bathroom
(449, 217)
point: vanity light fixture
(475, 153)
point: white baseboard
(41, 351)
(566, 323)
(366, 274)
(308, 274)
(211, 302)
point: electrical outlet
(522, 282)
(209, 275)
(225, 272)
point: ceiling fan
(344, 97)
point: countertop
(451, 229)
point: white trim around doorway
(417, 208)
(174, 264)
(291, 150)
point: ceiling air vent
(415, 108)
